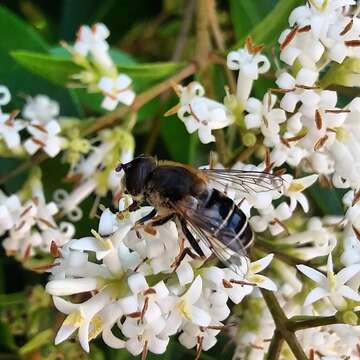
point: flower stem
(282, 330)
(306, 322)
(275, 346)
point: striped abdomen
(231, 226)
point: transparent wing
(244, 181)
(203, 226)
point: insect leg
(147, 217)
(191, 238)
(162, 220)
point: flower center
(183, 308)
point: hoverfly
(190, 197)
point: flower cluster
(99, 74)
(41, 124)
(139, 286)
(94, 171)
(28, 223)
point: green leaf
(42, 338)
(269, 29)
(12, 299)
(328, 201)
(7, 340)
(151, 71)
(180, 144)
(56, 70)
(18, 32)
(245, 14)
(21, 36)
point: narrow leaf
(56, 70)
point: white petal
(83, 336)
(66, 307)
(349, 293)
(111, 340)
(137, 283)
(134, 346)
(261, 264)
(205, 135)
(70, 286)
(265, 283)
(185, 273)
(64, 332)
(199, 316)
(158, 345)
(126, 97)
(109, 103)
(313, 274)
(315, 295)
(347, 273)
(194, 292)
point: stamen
(347, 28)
(280, 90)
(241, 282)
(251, 48)
(150, 291)
(134, 315)
(289, 38)
(295, 138)
(12, 116)
(356, 197)
(356, 232)
(193, 114)
(320, 143)
(27, 253)
(337, 111)
(38, 142)
(54, 249)
(199, 347)
(26, 211)
(47, 223)
(306, 87)
(305, 28)
(318, 119)
(39, 127)
(142, 262)
(227, 284)
(145, 351)
(285, 142)
(352, 43)
(144, 309)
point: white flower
(115, 91)
(10, 209)
(9, 130)
(318, 238)
(93, 40)
(5, 96)
(250, 64)
(185, 309)
(264, 116)
(81, 317)
(331, 286)
(303, 47)
(143, 337)
(298, 89)
(293, 188)
(200, 113)
(271, 218)
(40, 109)
(44, 137)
